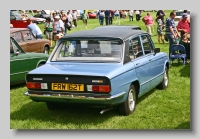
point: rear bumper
(69, 98)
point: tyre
(46, 50)
(164, 84)
(128, 106)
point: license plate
(67, 87)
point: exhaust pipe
(105, 110)
(26, 94)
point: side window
(135, 48)
(27, 35)
(17, 36)
(148, 48)
(14, 47)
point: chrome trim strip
(152, 79)
(19, 73)
(76, 97)
(24, 58)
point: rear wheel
(128, 106)
(46, 50)
(164, 84)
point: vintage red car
(92, 15)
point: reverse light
(98, 88)
(34, 85)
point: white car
(179, 14)
(36, 19)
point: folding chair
(177, 51)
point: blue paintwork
(148, 70)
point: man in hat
(184, 25)
(34, 29)
(58, 26)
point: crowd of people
(60, 22)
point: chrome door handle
(150, 59)
(137, 63)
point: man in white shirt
(137, 12)
(131, 15)
(74, 16)
(35, 29)
(58, 26)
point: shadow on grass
(77, 115)
(185, 125)
(185, 71)
(17, 86)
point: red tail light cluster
(34, 85)
(98, 88)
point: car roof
(17, 29)
(118, 27)
(100, 33)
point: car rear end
(70, 89)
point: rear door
(19, 39)
(141, 64)
(19, 64)
(32, 44)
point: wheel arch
(40, 62)
(136, 84)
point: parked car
(28, 42)
(119, 27)
(150, 10)
(44, 16)
(100, 68)
(179, 14)
(22, 62)
(92, 15)
(37, 20)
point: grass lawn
(169, 109)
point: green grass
(169, 109)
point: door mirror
(156, 50)
(16, 53)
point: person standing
(107, 16)
(48, 26)
(85, 18)
(74, 16)
(58, 26)
(161, 13)
(160, 29)
(130, 15)
(137, 12)
(34, 29)
(111, 17)
(69, 18)
(188, 16)
(121, 13)
(101, 17)
(117, 17)
(149, 22)
(64, 19)
(171, 30)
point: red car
(92, 15)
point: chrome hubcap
(166, 78)
(131, 99)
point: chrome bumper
(76, 97)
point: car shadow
(185, 125)
(17, 86)
(143, 97)
(73, 114)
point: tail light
(34, 85)
(98, 88)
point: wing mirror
(156, 50)
(16, 53)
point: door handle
(150, 59)
(137, 63)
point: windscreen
(89, 51)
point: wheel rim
(46, 51)
(131, 99)
(166, 78)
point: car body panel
(147, 71)
(22, 63)
(28, 42)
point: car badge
(37, 79)
(66, 78)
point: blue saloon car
(109, 68)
